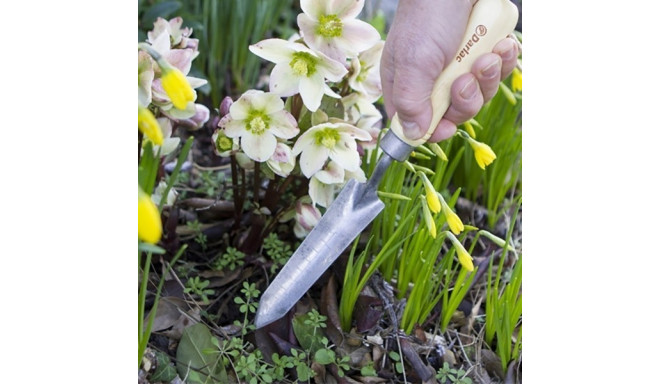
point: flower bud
(225, 105)
(149, 224)
(463, 256)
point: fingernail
(509, 53)
(469, 90)
(492, 70)
(410, 129)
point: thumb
(411, 92)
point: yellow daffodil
(482, 153)
(454, 222)
(516, 80)
(431, 195)
(470, 129)
(149, 224)
(428, 218)
(148, 125)
(177, 87)
(463, 256)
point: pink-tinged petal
(357, 36)
(233, 128)
(160, 25)
(282, 162)
(313, 8)
(352, 132)
(283, 81)
(181, 59)
(345, 156)
(268, 103)
(304, 141)
(240, 110)
(162, 43)
(282, 153)
(195, 82)
(311, 91)
(347, 9)
(283, 125)
(312, 160)
(331, 69)
(321, 194)
(145, 79)
(179, 114)
(308, 28)
(258, 147)
(333, 173)
(275, 50)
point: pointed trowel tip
(267, 314)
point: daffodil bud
(508, 94)
(176, 85)
(148, 125)
(470, 129)
(463, 256)
(516, 80)
(428, 218)
(438, 151)
(431, 195)
(454, 222)
(149, 224)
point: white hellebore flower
(282, 162)
(333, 140)
(366, 72)
(326, 182)
(307, 216)
(298, 69)
(331, 27)
(258, 118)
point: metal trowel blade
(355, 207)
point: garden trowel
(358, 204)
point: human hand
(422, 41)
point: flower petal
(283, 81)
(240, 110)
(283, 125)
(275, 50)
(305, 141)
(353, 132)
(258, 147)
(347, 9)
(322, 194)
(181, 59)
(232, 127)
(331, 69)
(333, 173)
(268, 103)
(311, 91)
(312, 159)
(313, 8)
(356, 37)
(344, 155)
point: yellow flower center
(330, 26)
(303, 64)
(223, 143)
(327, 137)
(258, 124)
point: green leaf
(164, 370)
(324, 356)
(332, 107)
(190, 357)
(306, 335)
